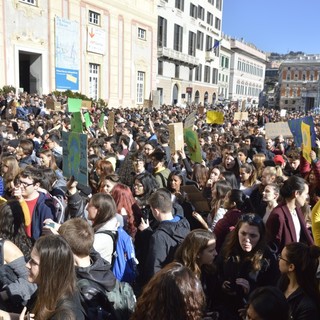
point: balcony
(210, 55)
(182, 58)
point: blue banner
(295, 128)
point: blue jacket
(43, 210)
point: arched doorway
(214, 98)
(175, 94)
(205, 98)
(197, 97)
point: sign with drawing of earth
(75, 161)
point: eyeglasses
(33, 262)
(280, 258)
(24, 184)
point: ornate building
(300, 83)
(102, 48)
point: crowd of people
(252, 254)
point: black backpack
(100, 304)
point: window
(142, 34)
(180, 4)
(211, 1)
(193, 11)
(215, 73)
(208, 43)
(162, 32)
(219, 4)
(176, 71)
(192, 44)
(210, 18)
(198, 73)
(177, 39)
(33, 2)
(93, 80)
(200, 13)
(140, 87)
(160, 67)
(190, 74)
(200, 37)
(217, 24)
(94, 17)
(207, 74)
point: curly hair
(173, 293)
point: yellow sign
(215, 117)
(306, 140)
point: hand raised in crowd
(144, 224)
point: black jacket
(163, 243)
(99, 271)
(301, 307)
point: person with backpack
(110, 240)
(165, 239)
(102, 296)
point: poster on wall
(96, 40)
(67, 54)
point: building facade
(102, 48)
(189, 32)
(299, 83)
(247, 74)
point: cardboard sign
(176, 141)
(86, 104)
(190, 119)
(241, 116)
(110, 124)
(201, 110)
(52, 104)
(273, 130)
(195, 196)
(146, 103)
(283, 112)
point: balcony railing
(174, 55)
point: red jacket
(280, 228)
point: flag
(216, 45)
(306, 140)
(215, 117)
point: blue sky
(274, 25)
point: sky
(277, 26)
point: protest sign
(190, 119)
(76, 122)
(176, 141)
(274, 130)
(241, 116)
(74, 105)
(215, 117)
(306, 140)
(110, 124)
(193, 145)
(75, 156)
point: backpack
(124, 262)
(100, 304)
(60, 205)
